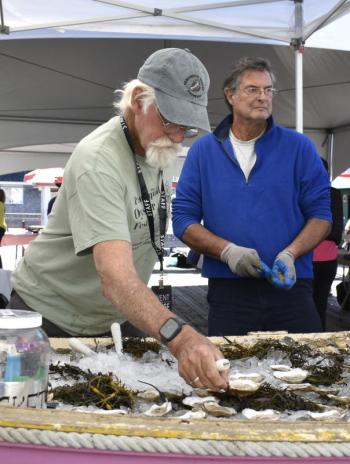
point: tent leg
(298, 44)
(299, 89)
(45, 197)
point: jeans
(238, 306)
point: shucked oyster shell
(159, 410)
(214, 409)
(150, 394)
(245, 383)
(331, 414)
(202, 392)
(254, 376)
(199, 414)
(297, 387)
(267, 414)
(195, 400)
(340, 398)
(293, 376)
(280, 367)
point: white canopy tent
(342, 181)
(61, 60)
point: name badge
(164, 295)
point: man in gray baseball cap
(90, 266)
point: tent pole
(3, 28)
(298, 45)
(45, 198)
(331, 153)
(299, 90)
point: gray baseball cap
(181, 84)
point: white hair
(124, 102)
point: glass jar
(24, 359)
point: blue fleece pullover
(287, 186)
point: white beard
(162, 152)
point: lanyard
(147, 206)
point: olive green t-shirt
(99, 201)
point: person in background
(53, 199)
(3, 225)
(325, 256)
(263, 196)
(347, 227)
(90, 266)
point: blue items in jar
(24, 359)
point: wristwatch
(170, 329)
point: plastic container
(24, 359)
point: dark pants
(52, 330)
(238, 306)
(2, 233)
(324, 274)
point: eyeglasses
(171, 127)
(253, 91)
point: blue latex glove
(265, 271)
(283, 271)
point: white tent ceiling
(235, 20)
(62, 59)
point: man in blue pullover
(253, 197)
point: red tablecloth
(18, 239)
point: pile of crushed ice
(246, 377)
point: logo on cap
(194, 85)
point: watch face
(169, 328)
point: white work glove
(283, 271)
(244, 262)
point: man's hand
(196, 357)
(242, 261)
(283, 270)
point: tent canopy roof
(58, 89)
(240, 20)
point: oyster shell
(195, 400)
(202, 392)
(340, 399)
(297, 386)
(199, 414)
(214, 409)
(267, 414)
(292, 376)
(254, 376)
(159, 410)
(222, 364)
(244, 384)
(331, 414)
(150, 394)
(111, 412)
(280, 367)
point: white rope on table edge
(172, 445)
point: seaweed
(67, 371)
(103, 391)
(174, 398)
(326, 375)
(137, 346)
(297, 352)
(268, 397)
(299, 356)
